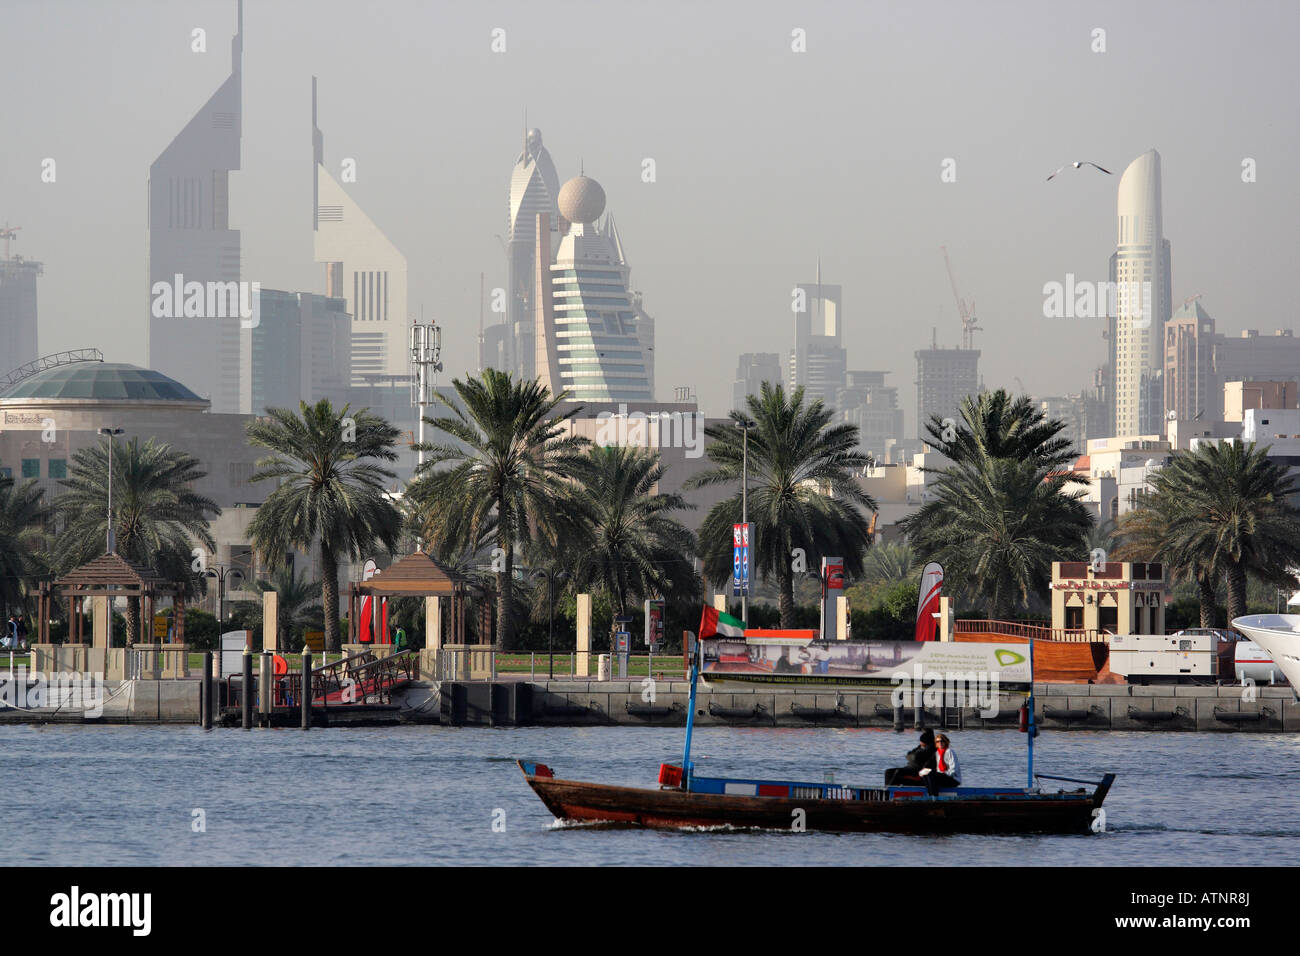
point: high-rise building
(192, 247)
(534, 189)
(867, 402)
(818, 361)
(1191, 388)
(1140, 278)
(18, 312)
(752, 370)
(300, 350)
(585, 329)
(944, 377)
(363, 268)
(1254, 357)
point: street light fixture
(110, 432)
(551, 576)
(221, 572)
(745, 425)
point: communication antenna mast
(426, 351)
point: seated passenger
(946, 774)
(920, 760)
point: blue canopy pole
(690, 713)
(1030, 734)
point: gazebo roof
(115, 571)
(416, 574)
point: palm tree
(330, 490)
(802, 494)
(631, 544)
(994, 425)
(157, 516)
(22, 520)
(506, 476)
(1143, 534)
(997, 526)
(297, 605)
(1227, 511)
(889, 563)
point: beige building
(1239, 396)
(48, 417)
(1111, 597)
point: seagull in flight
(1076, 165)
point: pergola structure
(416, 575)
(112, 576)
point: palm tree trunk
(329, 569)
(1205, 593)
(133, 621)
(504, 579)
(785, 581)
(1236, 591)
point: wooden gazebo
(112, 576)
(416, 575)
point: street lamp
(110, 432)
(551, 576)
(745, 425)
(221, 573)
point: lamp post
(221, 573)
(744, 425)
(551, 576)
(110, 432)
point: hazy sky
(765, 158)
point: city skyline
(876, 217)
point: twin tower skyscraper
(200, 335)
(569, 314)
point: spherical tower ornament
(581, 200)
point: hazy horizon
(765, 158)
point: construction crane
(966, 311)
(8, 234)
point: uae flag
(715, 623)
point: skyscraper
(534, 189)
(585, 320)
(944, 377)
(818, 361)
(300, 350)
(1140, 278)
(190, 238)
(867, 402)
(752, 370)
(1191, 391)
(18, 312)
(363, 268)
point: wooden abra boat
(771, 804)
(685, 799)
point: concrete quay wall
(123, 702)
(1214, 709)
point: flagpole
(690, 715)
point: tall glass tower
(587, 319)
(1140, 278)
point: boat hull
(1279, 634)
(896, 810)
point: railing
(349, 680)
(1028, 630)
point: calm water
(428, 795)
